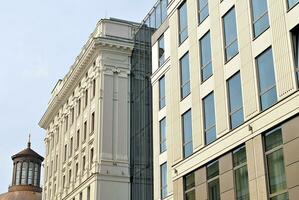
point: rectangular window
(93, 87)
(295, 34)
(185, 76)
(91, 157)
(213, 181)
(260, 16)
(203, 10)
(71, 147)
(80, 196)
(77, 169)
(70, 176)
(66, 123)
(92, 122)
(163, 174)
(183, 23)
(161, 51)
(205, 57)
(230, 34)
(65, 152)
(78, 139)
(163, 146)
(88, 193)
(72, 115)
(63, 181)
(292, 3)
(241, 174)
(266, 77)
(162, 102)
(235, 101)
(86, 97)
(79, 107)
(189, 187)
(85, 130)
(83, 163)
(275, 165)
(209, 118)
(187, 134)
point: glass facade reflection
(141, 107)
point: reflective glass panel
(187, 133)
(260, 16)
(209, 118)
(163, 180)
(185, 76)
(183, 23)
(230, 34)
(163, 145)
(205, 57)
(203, 7)
(292, 3)
(162, 92)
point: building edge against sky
(226, 101)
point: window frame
(184, 143)
(161, 59)
(180, 31)
(203, 66)
(254, 35)
(200, 9)
(206, 129)
(165, 187)
(186, 191)
(160, 133)
(162, 98)
(182, 85)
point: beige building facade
(87, 120)
(226, 101)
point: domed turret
(26, 176)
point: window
(80, 196)
(187, 134)
(83, 163)
(205, 57)
(162, 92)
(161, 50)
(92, 122)
(56, 162)
(71, 147)
(163, 169)
(203, 10)
(260, 16)
(292, 3)
(164, 4)
(86, 97)
(66, 123)
(78, 139)
(183, 23)
(70, 176)
(93, 87)
(209, 118)
(295, 34)
(79, 107)
(77, 169)
(30, 173)
(18, 173)
(36, 174)
(230, 34)
(275, 165)
(88, 193)
(72, 115)
(189, 187)
(91, 156)
(85, 130)
(185, 76)
(158, 15)
(266, 77)
(163, 145)
(65, 152)
(235, 101)
(241, 174)
(213, 181)
(63, 181)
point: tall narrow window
(164, 4)
(236, 115)
(158, 15)
(65, 152)
(161, 51)
(241, 174)
(295, 34)
(266, 77)
(163, 181)
(163, 145)
(209, 118)
(213, 181)
(83, 163)
(71, 147)
(79, 107)
(72, 115)
(56, 162)
(88, 193)
(292, 3)
(36, 181)
(187, 134)
(86, 97)
(91, 157)
(80, 196)
(77, 169)
(260, 16)
(205, 57)
(92, 122)
(24, 173)
(78, 139)
(18, 173)
(63, 181)
(230, 34)
(183, 23)
(275, 165)
(66, 123)
(203, 10)
(30, 173)
(185, 76)
(70, 176)
(189, 187)
(162, 92)
(85, 130)
(93, 87)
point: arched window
(30, 173)
(18, 173)
(24, 173)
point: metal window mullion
(260, 17)
(209, 128)
(231, 43)
(203, 7)
(213, 179)
(240, 166)
(268, 89)
(205, 65)
(237, 110)
(274, 149)
(278, 193)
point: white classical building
(87, 120)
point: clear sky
(39, 40)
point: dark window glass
(162, 92)
(205, 57)
(213, 181)
(241, 174)
(163, 169)
(267, 85)
(230, 34)
(292, 3)
(163, 145)
(296, 50)
(88, 193)
(187, 133)
(183, 23)
(189, 187)
(203, 10)
(209, 118)
(284, 196)
(275, 165)
(185, 76)
(161, 50)
(235, 101)
(260, 16)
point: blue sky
(39, 41)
